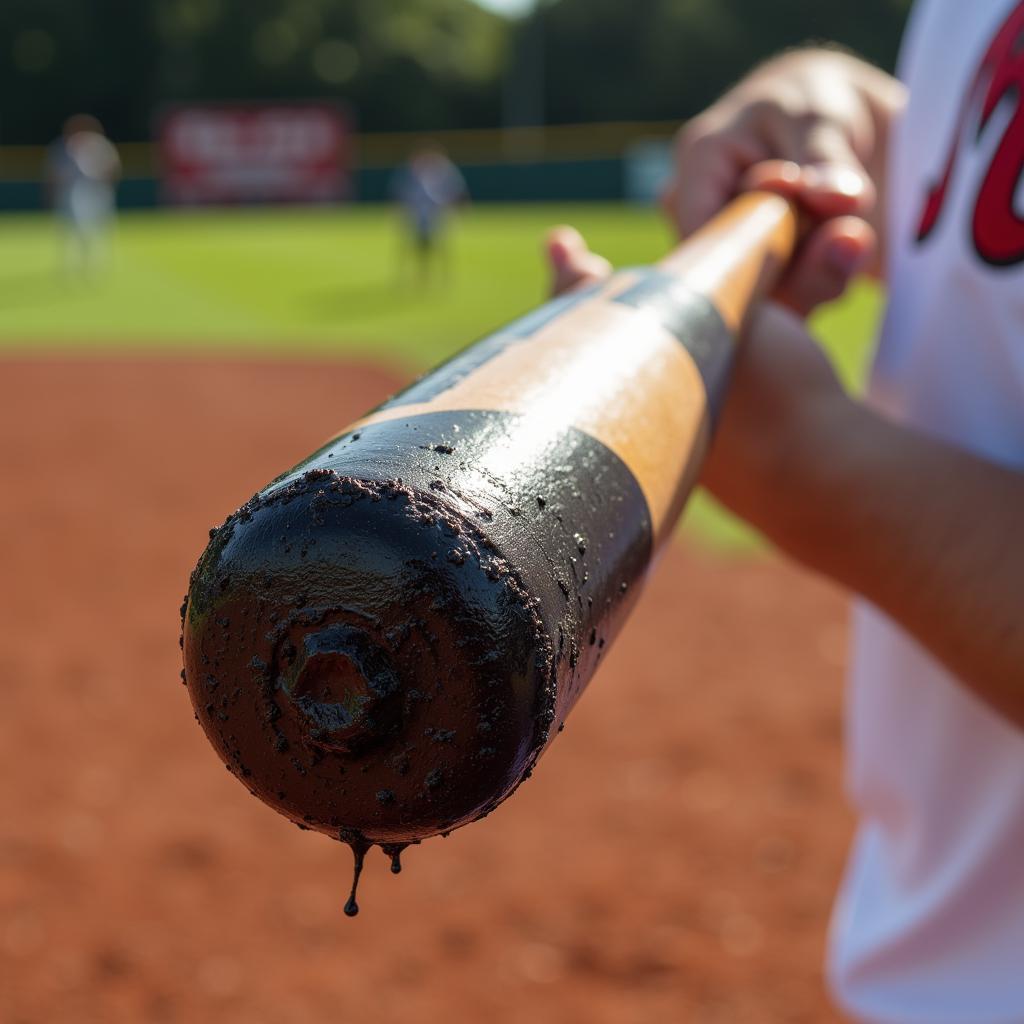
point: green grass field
(312, 282)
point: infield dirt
(673, 858)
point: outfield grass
(318, 282)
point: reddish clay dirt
(672, 859)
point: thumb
(822, 170)
(835, 181)
(571, 262)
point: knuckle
(696, 134)
(764, 108)
(788, 106)
(805, 122)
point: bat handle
(738, 257)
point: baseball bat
(382, 642)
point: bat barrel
(381, 643)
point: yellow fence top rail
(382, 149)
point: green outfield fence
(554, 162)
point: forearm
(931, 534)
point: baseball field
(675, 854)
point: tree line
(404, 64)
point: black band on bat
(695, 322)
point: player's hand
(811, 125)
(780, 401)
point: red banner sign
(255, 154)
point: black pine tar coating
(380, 643)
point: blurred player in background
(427, 189)
(914, 498)
(82, 171)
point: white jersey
(929, 926)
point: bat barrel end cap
(341, 689)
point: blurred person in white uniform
(82, 172)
